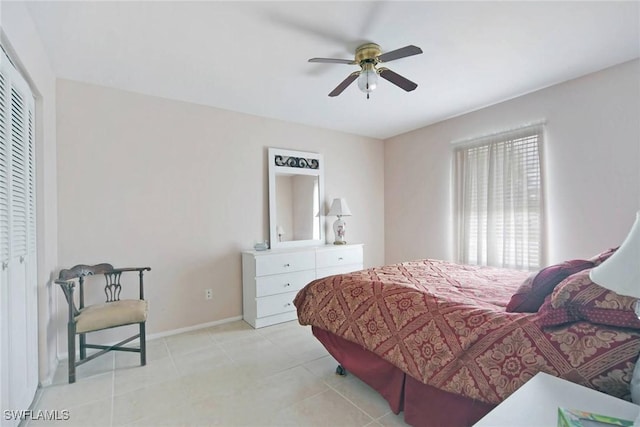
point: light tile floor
(227, 375)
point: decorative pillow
(602, 256)
(549, 316)
(578, 298)
(531, 294)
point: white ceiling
(252, 57)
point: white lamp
(368, 80)
(620, 273)
(339, 208)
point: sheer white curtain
(498, 199)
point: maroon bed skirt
(423, 405)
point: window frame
(523, 144)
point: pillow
(549, 316)
(578, 298)
(531, 294)
(602, 256)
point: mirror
(295, 195)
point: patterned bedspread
(445, 325)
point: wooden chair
(113, 313)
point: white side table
(536, 403)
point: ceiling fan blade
(400, 53)
(397, 79)
(333, 61)
(346, 82)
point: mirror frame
(279, 164)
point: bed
(446, 343)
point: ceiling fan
(368, 56)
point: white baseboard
(151, 337)
(48, 381)
(192, 328)
(52, 371)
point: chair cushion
(108, 315)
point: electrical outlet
(208, 293)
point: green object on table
(576, 418)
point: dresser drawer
(335, 257)
(284, 263)
(275, 304)
(341, 269)
(281, 283)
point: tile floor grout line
(113, 390)
(350, 401)
(170, 354)
(303, 400)
(301, 363)
(222, 348)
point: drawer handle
(287, 265)
(288, 304)
(340, 259)
(287, 284)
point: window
(498, 199)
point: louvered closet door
(18, 293)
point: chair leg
(71, 348)
(83, 349)
(143, 345)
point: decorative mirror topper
(296, 162)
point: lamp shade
(368, 80)
(339, 207)
(620, 273)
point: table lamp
(339, 208)
(620, 273)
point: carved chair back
(112, 286)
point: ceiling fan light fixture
(368, 79)
(368, 56)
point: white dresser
(271, 279)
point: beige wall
(23, 43)
(591, 162)
(183, 188)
